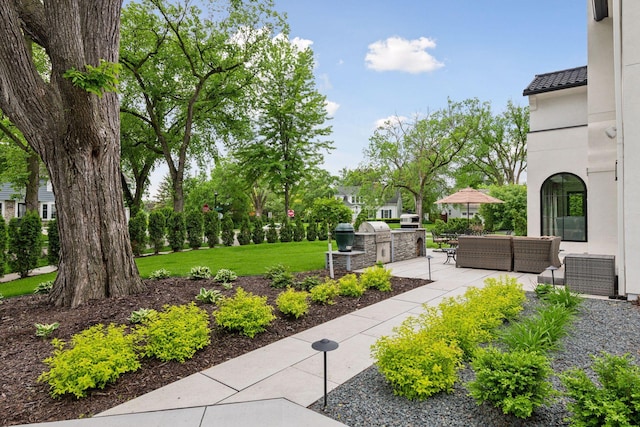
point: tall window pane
(564, 207)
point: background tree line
(193, 84)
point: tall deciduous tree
(138, 159)
(185, 77)
(291, 120)
(410, 155)
(73, 125)
(499, 152)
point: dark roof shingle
(557, 80)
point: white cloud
(398, 54)
(391, 120)
(331, 107)
(301, 44)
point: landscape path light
(552, 268)
(429, 257)
(325, 345)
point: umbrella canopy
(468, 195)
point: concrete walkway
(273, 385)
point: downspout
(617, 76)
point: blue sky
(380, 58)
(376, 58)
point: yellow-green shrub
(245, 312)
(176, 333)
(350, 286)
(376, 278)
(95, 358)
(325, 293)
(418, 364)
(421, 344)
(293, 303)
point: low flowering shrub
(200, 273)
(293, 303)
(417, 364)
(350, 286)
(514, 381)
(246, 313)
(175, 333)
(325, 293)
(376, 278)
(95, 358)
(613, 401)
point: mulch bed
(23, 400)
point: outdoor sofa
(508, 253)
(492, 252)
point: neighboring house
(12, 202)
(460, 211)
(392, 208)
(583, 149)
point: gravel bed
(367, 399)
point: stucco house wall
(628, 140)
(593, 132)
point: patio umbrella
(468, 195)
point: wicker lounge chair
(535, 254)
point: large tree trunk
(76, 135)
(100, 263)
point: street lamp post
(215, 201)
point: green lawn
(247, 260)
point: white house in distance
(349, 196)
(583, 175)
(12, 202)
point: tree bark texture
(76, 135)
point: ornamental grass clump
(246, 313)
(540, 332)
(293, 303)
(175, 333)
(95, 357)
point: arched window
(564, 207)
